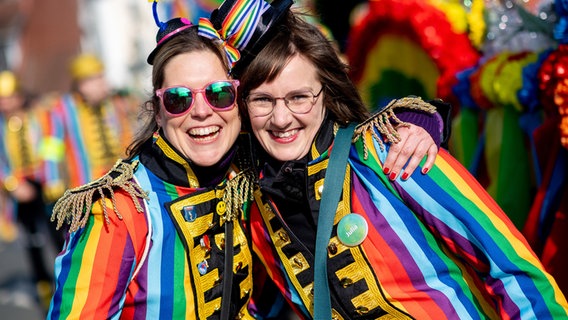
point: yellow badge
(221, 208)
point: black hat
(166, 31)
(264, 30)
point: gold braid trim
(75, 204)
(238, 190)
(386, 121)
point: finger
(409, 138)
(408, 149)
(431, 158)
(392, 155)
(417, 156)
(395, 149)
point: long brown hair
(296, 36)
(185, 41)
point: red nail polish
(404, 176)
(392, 176)
(386, 170)
(425, 170)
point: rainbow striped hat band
(242, 26)
(249, 25)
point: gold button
(297, 263)
(362, 310)
(15, 124)
(221, 208)
(346, 282)
(335, 315)
(320, 189)
(332, 248)
(11, 183)
(283, 236)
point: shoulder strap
(328, 206)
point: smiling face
(202, 135)
(283, 134)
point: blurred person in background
(20, 178)
(89, 128)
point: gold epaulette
(386, 121)
(239, 190)
(75, 205)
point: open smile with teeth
(284, 134)
(204, 134)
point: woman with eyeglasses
(162, 235)
(418, 246)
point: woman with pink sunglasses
(163, 234)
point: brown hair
(186, 41)
(296, 36)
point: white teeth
(203, 131)
(284, 134)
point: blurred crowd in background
(74, 78)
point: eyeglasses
(299, 102)
(220, 96)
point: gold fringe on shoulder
(386, 121)
(75, 204)
(238, 190)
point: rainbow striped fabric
(95, 270)
(242, 20)
(206, 29)
(438, 247)
(166, 262)
(81, 146)
(237, 28)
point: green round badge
(352, 229)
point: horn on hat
(166, 30)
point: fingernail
(404, 176)
(425, 170)
(392, 176)
(386, 170)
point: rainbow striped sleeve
(97, 263)
(4, 168)
(464, 247)
(51, 153)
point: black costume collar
(160, 157)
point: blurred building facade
(38, 39)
